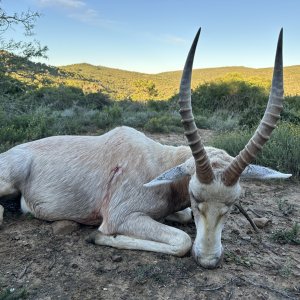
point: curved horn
(263, 132)
(203, 168)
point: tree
(15, 54)
(27, 20)
(144, 90)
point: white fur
(259, 172)
(216, 191)
(183, 216)
(100, 180)
(24, 207)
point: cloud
(88, 15)
(71, 4)
(78, 10)
(175, 40)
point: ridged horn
(203, 167)
(268, 123)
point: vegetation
(281, 152)
(15, 54)
(120, 84)
(285, 207)
(288, 236)
(230, 105)
(13, 294)
(37, 100)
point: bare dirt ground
(35, 263)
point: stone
(64, 227)
(261, 222)
(116, 258)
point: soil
(36, 263)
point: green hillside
(120, 84)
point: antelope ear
(172, 175)
(259, 172)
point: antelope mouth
(209, 261)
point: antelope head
(214, 185)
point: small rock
(36, 283)
(238, 251)
(74, 266)
(64, 227)
(116, 258)
(261, 222)
(235, 231)
(296, 273)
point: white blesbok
(103, 180)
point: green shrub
(164, 124)
(138, 119)
(222, 120)
(288, 236)
(157, 105)
(14, 294)
(95, 101)
(281, 152)
(234, 95)
(202, 121)
(25, 127)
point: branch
(239, 206)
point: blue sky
(153, 36)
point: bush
(281, 152)
(95, 101)
(288, 236)
(138, 119)
(233, 95)
(164, 124)
(157, 105)
(222, 120)
(202, 121)
(25, 127)
(56, 98)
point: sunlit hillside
(122, 84)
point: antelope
(125, 183)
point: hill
(120, 84)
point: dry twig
(239, 206)
(23, 272)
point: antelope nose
(208, 261)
